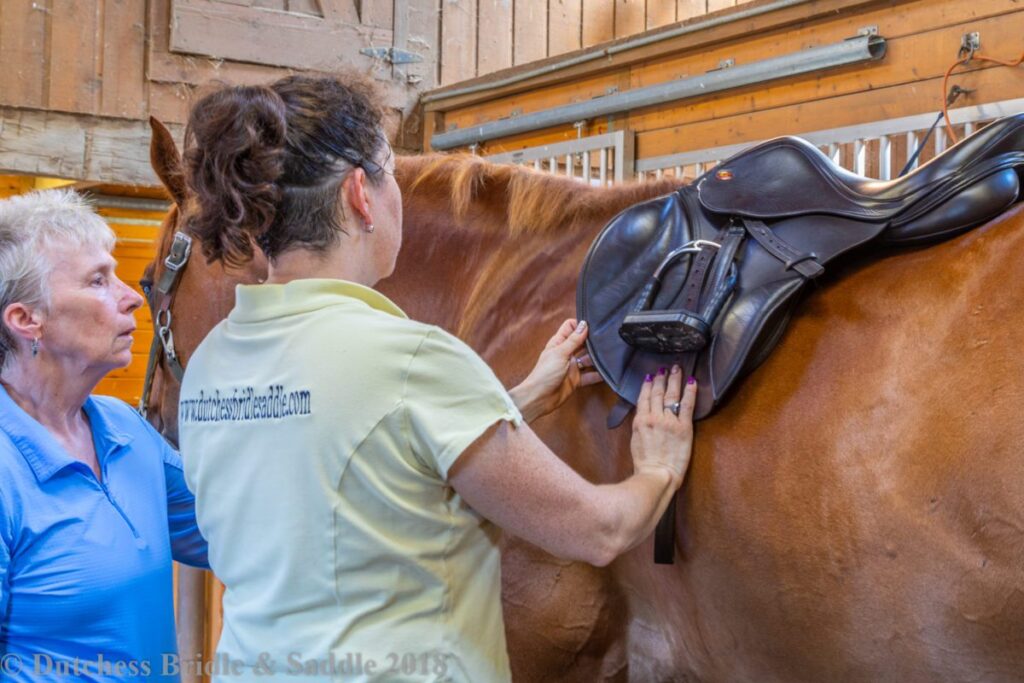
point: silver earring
(369, 227)
(35, 347)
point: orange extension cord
(973, 56)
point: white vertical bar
(835, 153)
(678, 172)
(570, 165)
(885, 157)
(586, 166)
(912, 144)
(698, 169)
(602, 166)
(940, 140)
(553, 165)
(659, 174)
(860, 157)
(969, 128)
(536, 164)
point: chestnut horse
(854, 513)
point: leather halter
(160, 299)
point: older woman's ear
(23, 322)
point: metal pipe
(860, 49)
(615, 49)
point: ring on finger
(579, 362)
(674, 407)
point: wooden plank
(598, 21)
(911, 58)
(496, 24)
(379, 13)
(165, 67)
(879, 104)
(423, 20)
(731, 31)
(281, 39)
(530, 31)
(123, 75)
(337, 10)
(74, 83)
(310, 7)
(660, 13)
(688, 9)
(718, 5)
(279, 5)
(630, 17)
(458, 40)
(23, 29)
(170, 102)
(76, 146)
(565, 24)
(925, 60)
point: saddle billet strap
(804, 263)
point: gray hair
(29, 225)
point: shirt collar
(41, 450)
(254, 303)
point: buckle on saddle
(671, 331)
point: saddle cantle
(707, 276)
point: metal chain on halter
(160, 299)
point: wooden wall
(923, 41)
(479, 37)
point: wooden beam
(76, 146)
(276, 38)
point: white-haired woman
(93, 505)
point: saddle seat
(758, 228)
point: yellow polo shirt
(318, 424)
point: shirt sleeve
(451, 397)
(187, 543)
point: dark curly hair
(264, 163)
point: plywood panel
(660, 13)
(598, 21)
(458, 40)
(23, 53)
(122, 68)
(873, 105)
(530, 31)
(74, 83)
(495, 51)
(564, 26)
(630, 17)
(688, 9)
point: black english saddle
(709, 276)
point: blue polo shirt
(85, 566)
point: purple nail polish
(692, 380)
(648, 378)
(661, 371)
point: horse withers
(854, 513)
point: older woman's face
(91, 319)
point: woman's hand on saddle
(663, 424)
(558, 373)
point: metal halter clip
(178, 255)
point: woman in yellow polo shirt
(330, 457)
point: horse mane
(532, 201)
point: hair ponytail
(234, 158)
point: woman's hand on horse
(663, 424)
(558, 373)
